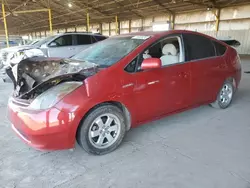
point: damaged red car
(96, 96)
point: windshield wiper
(103, 66)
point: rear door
(61, 47)
(206, 68)
(83, 41)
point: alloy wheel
(104, 130)
(226, 94)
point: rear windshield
(110, 51)
(99, 37)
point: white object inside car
(146, 54)
(169, 56)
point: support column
(87, 22)
(50, 22)
(173, 21)
(129, 26)
(217, 15)
(116, 25)
(109, 29)
(100, 28)
(5, 26)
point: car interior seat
(169, 56)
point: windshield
(109, 51)
(43, 41)
(32, 42)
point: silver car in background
(67, 44)
(62, 45)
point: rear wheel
(102, 131)
(225, 95)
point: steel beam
(30, 11)
(165, 8)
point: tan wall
(232, 18)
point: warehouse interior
(201, 147)
(216, 18)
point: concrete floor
(200, 148)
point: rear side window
(99, 38)
(198, 47)
(220, 48)
(83, 39)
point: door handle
(128, 85)
(153, 82)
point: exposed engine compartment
(35, 75)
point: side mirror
(151, 63)
(52, 44)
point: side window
(93, 39)
(83, 39)
(65, 40)
(169, 50)
(198, 47)
(131, 66)
(220, 49)
(99, 37)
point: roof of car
(156, 33)
(81, 33)
(161, 33)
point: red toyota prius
(99, 94)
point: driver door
(157, 92)
(145, 89)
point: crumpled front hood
(42, 68)
(38, 71)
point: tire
(95, 133)
(220, 101)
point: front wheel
(102, 130)
(225, 95)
